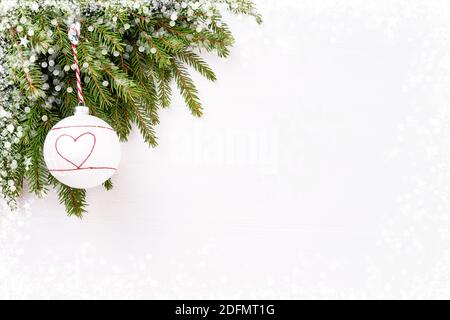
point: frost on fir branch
(133, 54)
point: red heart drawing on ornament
(69, 152)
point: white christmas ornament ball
(82, 151)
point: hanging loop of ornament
(74, 37)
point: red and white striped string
(74, 37)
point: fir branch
(144, 123)
(100, 95)
(187, 89)
(108, 185)
(121, 119)
(73, 199)
(197, 63)
(245, 7)
(164, 89)
(37, 174)
(142, 72)
(107, 38)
